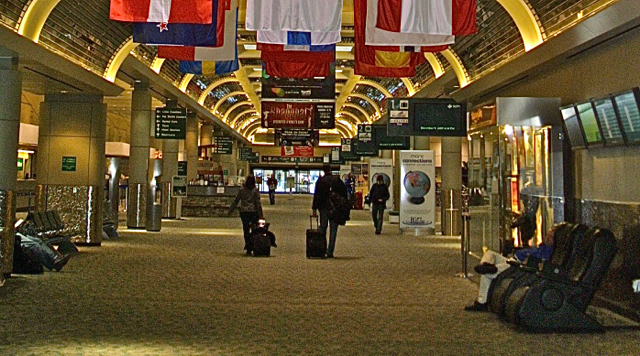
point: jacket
(324, 186)
(249, 200)
(379, 194)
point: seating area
(48, 226)
(554, 295)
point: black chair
(558, 300)
(524, 274)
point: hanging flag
(180, 34)
(389, 59)
(379, 37)
(445, 17)
(224, 53)
(298, 37)
(296, 56)
(294, 15)
(209, 67)
(297, 69)
(162, 11)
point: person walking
(272, 183)
(330, 188)
(378, 195)
(348, 184)
(248, 203)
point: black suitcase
(316, 242)
(262, 241)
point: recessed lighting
(250, 47)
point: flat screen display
(438, 117)
(574, 131)
(589, 124)
(386, 142)
(606, 116)
(627, 107)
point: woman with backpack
(330, 198)
(250, 208)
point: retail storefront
(304, 180)
(515, 165)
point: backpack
(339, 208)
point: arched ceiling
(82, 32)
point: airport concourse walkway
(189, 290)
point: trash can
(451, 215)
(154, 223)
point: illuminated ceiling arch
(157, 63)
(407, 82)
(235, 106)
(376, 85)
(184, 83)
(344, 131)
(239, 120)
(229, 95)
(367, 99)
(350, 127)
(213, 85)
(233, 121)
(359, 108)
(457, 66)
(436, 65)
(34, 18)
(250, 124)
(526, 21)
(351, 115)
(118, 58)
(252, 130)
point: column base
(7, 230)
(137, 206)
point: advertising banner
(296, 151)
(382, 167)
(417, 189)
(301, 114)
(299, 88)
(289, 137)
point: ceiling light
(250, 47)
(343, 48)
(338, 70)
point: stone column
(421, 143)
(206, 138)
(451, 172)
(71, 162)
(114, 168)
(483, 165)
(139, 156)
(191, 146)
(10, 92)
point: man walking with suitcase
(325, 187)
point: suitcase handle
(311, 221)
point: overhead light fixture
(25, 151)
(343, 48)
(338, 70)
(250, 47)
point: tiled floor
(189, 290)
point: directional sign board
(171, 123)
(223, 145)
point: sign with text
(279, 159)
(247, 154)
(347, 151)
(299, 88)
(296, 151)
(438, 117)
(335, 155)
(299, 114)
(366, 145)
(171, 123)
(68, 164)
(182, 168)
(382, 167)
(20, 164)
(387, 142)
(417, 189)
(289, 137)
(223, 145)
(398, 111)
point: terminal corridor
(190, 290)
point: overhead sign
(182, 168)
(300, 114)
(223, 145)
(296, 151)
(280, 159)
(335, 155)
(398, 111)
(20, 164)
(348, 152)
(417, 189)
(68, 164)
(386, 142)
(299, 88)
(247, 154)
(171, 123)
(290, 137)
(438, 117)
(366, 146)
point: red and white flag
(378, 37)
(162, 11)
(446, 17)
(294, 15)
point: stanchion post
(464, 235)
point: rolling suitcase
(262, 240)
(316, 242)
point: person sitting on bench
(493, 263)
(39, 251)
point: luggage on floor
(316, 241)
(263, 239)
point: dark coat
(324, 186)
(379, 194)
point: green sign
(223, 145)
(20, 164)
(68, 164)
(171, 123)
(182, 168)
